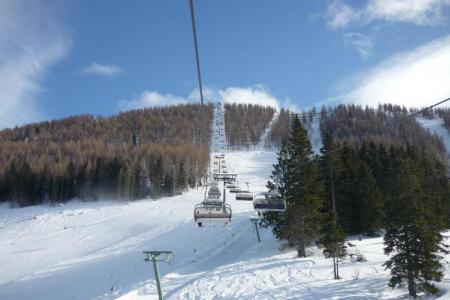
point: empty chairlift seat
(212, 211)
(231, 186)
(227, 177)
(268, 202)
(244, 196)
(235, 190)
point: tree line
(361, 188)
(150, 152)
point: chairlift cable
(197, 56)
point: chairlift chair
(234, 190)
(225, 177)
(245, 196)
(212, 211)
(268, 202)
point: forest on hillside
(246, 123)
(279, 129)
(387, 125)
(141, 153)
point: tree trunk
(337, 268)
(334, 267)
(411, 285)
(301, 248)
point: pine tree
(413, 235)
(368, 204)
(345, 184)
(304, 190)
(277, 184)
(333, 236)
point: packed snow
(315, 135)
(93, 250)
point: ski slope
(94, 251)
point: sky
(67, 57)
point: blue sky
(59, 58)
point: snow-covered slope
(436, 126)
(315, 135)
(94, 251)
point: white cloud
(151, 98)
(103, 70)
(30, 43)
(360, 43)
(417, 78)
(256, 94)
(419, 12)
(251, 95)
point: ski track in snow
(93, 250)
(315, 135)
(262, 145)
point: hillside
(150, 152)
(246, 123)
(356, 124)
(164, 151)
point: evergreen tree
(345, 184)
(304, 190)
(368, 204)
(278, 185)
(333, 236)
(413, 235)
(70, 181)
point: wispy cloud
(103, 70)
(30, 43)
(339, 14)
(420, 12)
(359, 42)
(257, 94)
(416, 78)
